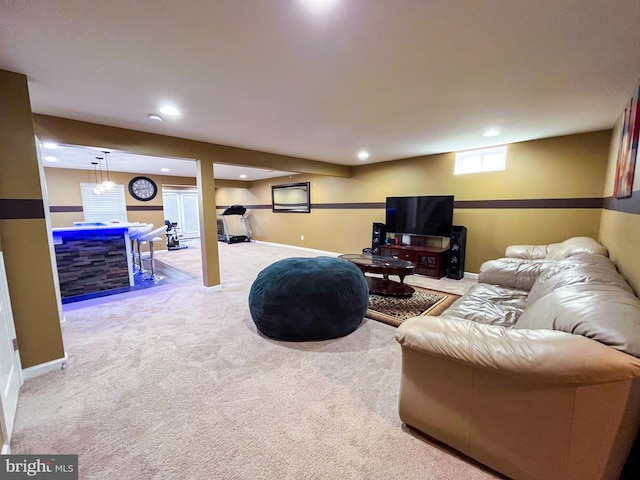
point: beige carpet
(175, 383)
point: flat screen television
(431, 215)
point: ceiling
(323, 80)
(77, 157)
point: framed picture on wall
(291, 198)
(628, 151)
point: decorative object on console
(143, 189)
(457, 250)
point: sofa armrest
(545, 355)
(511, 272)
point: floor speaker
(378, 238)
(457, 248)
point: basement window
(484, 160)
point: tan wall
(620, 231)
(63, 187)
(25, 238)
(562, 167)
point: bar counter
(92, 258)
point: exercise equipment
(173, 243)
(232, 227)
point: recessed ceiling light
(165, 170)
(243, 176)
(170, 110)
(51, 159)
(492, 132)
(50, 145)
(155, 117)
(363, 154)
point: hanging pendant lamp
(107, 184)
(98, 190)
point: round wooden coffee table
(385, 266)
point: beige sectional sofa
(534, 372)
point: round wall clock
(143, 188)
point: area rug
(394, 310)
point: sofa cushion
(583, 268)
(556, 251)
(602, 312)
(574, 246)
(489, 304)
(512, 272)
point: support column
(208, 223)
(24, 236)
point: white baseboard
(312, 250)
(213, 288)
(471, 275)
(43, 368)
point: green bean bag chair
(309, 299)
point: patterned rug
(394, 310)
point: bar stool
(151, 238)
(135, 233)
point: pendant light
(107, 184)
(98, 190)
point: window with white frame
(484, 160)
(103, 207)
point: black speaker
(457, 248)
(378, 238)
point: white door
(191, 221)
(182, 207)
(10, 366)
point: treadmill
(232, 227)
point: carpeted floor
(175, 382)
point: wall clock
(143, 188)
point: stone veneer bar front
(92, 259)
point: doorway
(181, 206)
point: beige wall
(24, 236)
(63, 187)
(620, 231)
(554, 168)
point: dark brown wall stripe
(248, 207)
(130, 208)
(18, 209)
(464, 204)
(144, 208)
(624, 205)
(66, 209)
(532, 203)
(346, 206)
